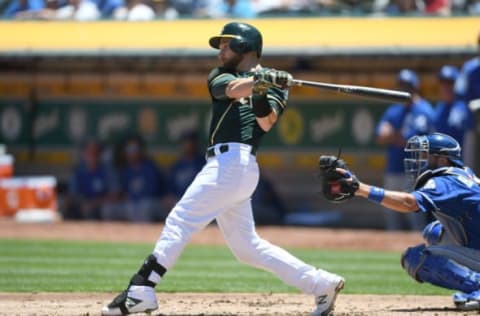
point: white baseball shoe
(467, 302)
(135, 299)
(326, 302)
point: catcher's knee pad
(424, 266)
(433, 233)
(412, 259)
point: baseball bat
(370, 92)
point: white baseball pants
(222, 191)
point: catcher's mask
(419, 148)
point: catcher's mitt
(336, 186)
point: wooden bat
(369, 92)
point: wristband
(260, 107)
(376, 194)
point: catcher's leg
(238, 228)
(445, 267)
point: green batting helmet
(245, 38)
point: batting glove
(275, 78)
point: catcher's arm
(395, 200)
(339, 184)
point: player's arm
(240, 88)
(267, 122)
(395, 200)
(218, 81)
(269, 95)
(263, 79)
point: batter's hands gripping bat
(370, 92)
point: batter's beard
(233, 62)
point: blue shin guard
(440, 271)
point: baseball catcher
(446, 187)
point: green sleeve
(218, 80)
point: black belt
(224, 148)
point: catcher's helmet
(418, 149)
(245, 38)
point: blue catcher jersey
(416, 119)
(455, 195)
(453, 119)
(467, 85)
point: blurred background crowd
(119, 181)
(144, 10)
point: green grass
(61, 266)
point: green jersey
(234, 120)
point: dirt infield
(40, 304)
(221, 304)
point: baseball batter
(247, 100)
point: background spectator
(107, 7)
(397, 125)
(134, 10)
(474, 7)
(452, 116)
(232, 9)
(267, 206)
(47, 13)
(437, 7)
(189, 8)
(23, 8)
(143, 186)
(289, 7)
(91, 185)
(401, 7)
(467, 87)
(79, 10)
(190, 162)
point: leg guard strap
(150, 273)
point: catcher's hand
(273, 78)
(338, 183)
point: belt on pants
(223, 149)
